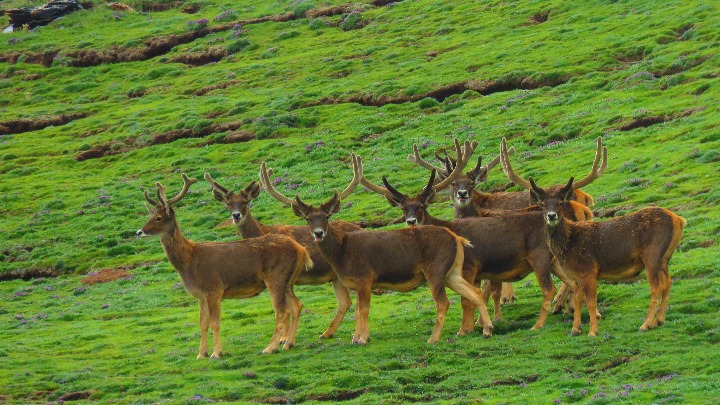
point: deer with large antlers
(213, 271)
(239, 206)
(506, 246)
(398, 259)
(470, 202)
(617, 249)
(599, 166)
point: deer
(399, 259)
(213, 271)
(617, 249)
(470, 202)
(505, 246)
(598, 168)
(239, 206)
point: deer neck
(467, 211)
(559, 237)
(331, 247)
(251, 227)
(177, 248)
(431, 220)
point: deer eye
(158, 218)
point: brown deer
(469, 202)
(213, 271)
(617, 249)
(506, 246)
(397, 259)
(562, 299)
(249, 227)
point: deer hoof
(269, 351)
(575, 332)
(216, 355)
(593, 334)
(326, 336)
(288, 346)
(432, 341)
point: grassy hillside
(98, 106)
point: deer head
(463, 186)
(317, 218)
(162, 215)
(238, 204)
(552, 200)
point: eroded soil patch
(440, 94)
(644, 122)
(214, 54)
(105, 276)
(112, 149)
(224, 85)
(28, 274)
(27, 125)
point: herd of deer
(500, 237)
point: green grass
(135, 340)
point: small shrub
(710, 157)
(227, 15)
(195, 25)
(288, 34)
(238, 45)
(352, 21)
(428, 102)
(303, 7)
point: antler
(596, 170)
(463, 156)
(507, 167)
(418, 160)
(357, 176)
(214, 184)
(150, 200)
(187, 182)
(265, 181)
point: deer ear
(219, 195)
(253, 190)
(537, 195)
(481, 176)
(567, 192)
(298, 211)
(331, 207)
(430, 198)
(394, 202)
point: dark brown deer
(239, 206)
(506, 246)
(569, 210)
(470, 202)
(213, 271)
(617, 249)
(400, 260)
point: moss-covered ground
(99, 105)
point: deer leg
(441, 304)
(295, 307)
(656, 295)
(562, 298)
(362, 328)
(577, 312)
(204, 323)
(468, 314)
(343, 298)
(213, 304)
(494, 289)
(666, 283)
(458, 284)
(508, 294)
(548, 289)
(590, 291)
(282, 315)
